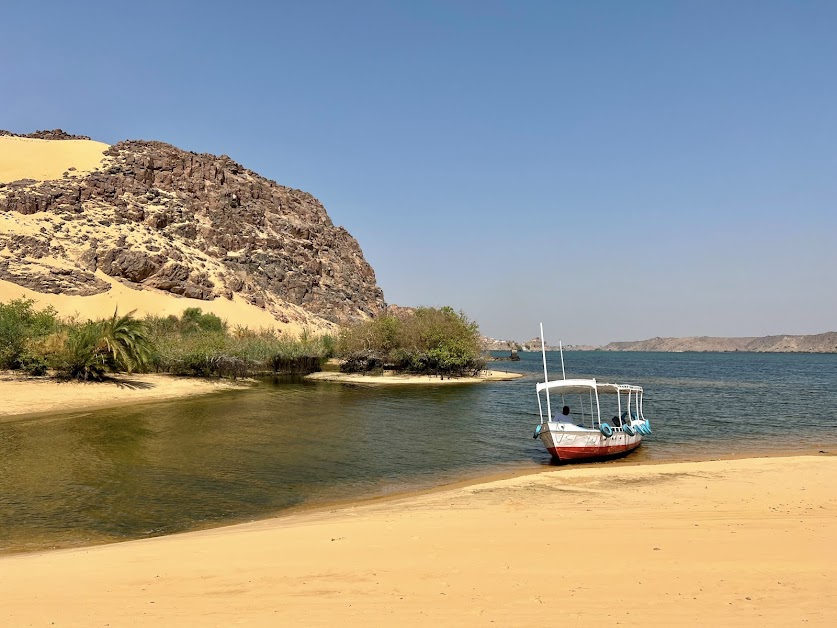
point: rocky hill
(198, 226)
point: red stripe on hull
(577, 453)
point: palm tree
(125, 340)
(82, 360)
(120, 343)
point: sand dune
(738, 542)
(235, 311)
(44, 160)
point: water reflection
(173, 466)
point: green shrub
(428, 340)
(194, 320)
(244, 352)
(189, 354)
(192, 344)
(21, 326)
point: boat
(583, 435)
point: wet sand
(698, 543)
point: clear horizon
(617, 171)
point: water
(94, 477)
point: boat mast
(545, 376)
(561, 349)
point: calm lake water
(94, 477)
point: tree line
(195, 343)
(37, 341)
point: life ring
(606, 430)
(647, 426)
(537, 431)
(642, 427)
(628, 430)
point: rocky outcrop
(492, 344)
(51, 279)
(55, 134)
(195, 225)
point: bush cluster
(193, 344)
(428, 340)
(204, 349)
(22, 328)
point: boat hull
(569, 442)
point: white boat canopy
(585, 386)
(592, 388)
(569, 386)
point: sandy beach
(24, 397)
(703, 543)
(390, 378)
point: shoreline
(465, 481)
(684, 540)
(391, 378)
(29, 398)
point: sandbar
(388, 378)
(732, 542)
(25, 397)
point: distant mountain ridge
(814, 343)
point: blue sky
(617, 170)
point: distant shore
(731, 542)
(391, 378)
(24, 397)
(811, 343)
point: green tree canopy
(20, 326)
(426, 340)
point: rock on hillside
(492, 344)
(55, 134)
(196, 225)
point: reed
(195, 343)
